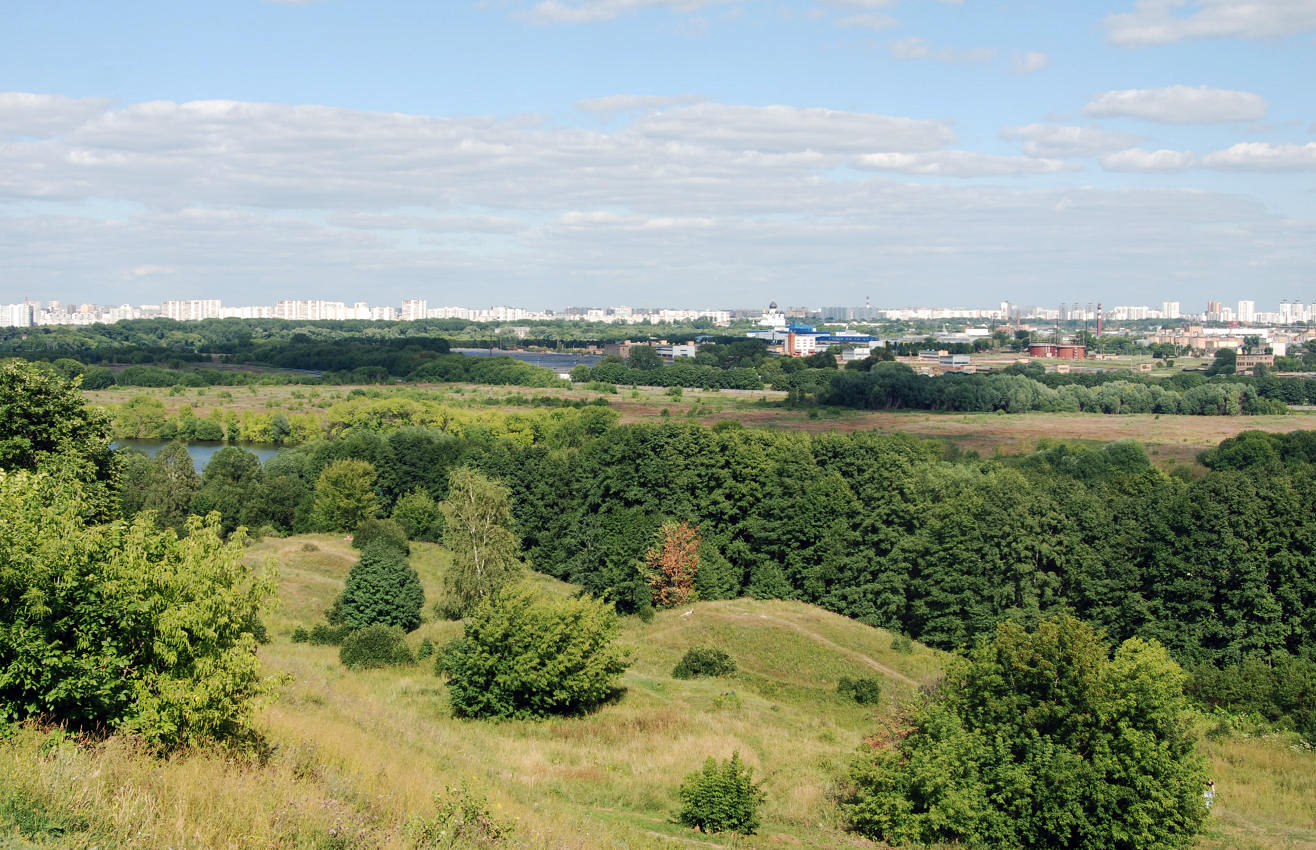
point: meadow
(356, 759)
(1170, 439)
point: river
(200, 452)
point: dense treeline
(881, 528)
(164, 353)
(894, 385)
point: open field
(1169, 439)
(356, 755)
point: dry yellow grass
(355, 755)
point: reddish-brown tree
(672, 564)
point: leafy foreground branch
(123, 626)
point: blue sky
(659, 152)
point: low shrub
(301, 635)
(323, 634)
(461, 819)
(704, 661)
(902, 644)
(722, 797)
(865, 690)
(375, 646)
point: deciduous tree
(486, 554)
(1040, 740)
(673, 563)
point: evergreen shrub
(381, 588)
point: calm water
(547, 359)
(200, 452)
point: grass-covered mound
(374, 758)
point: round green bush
(524, 655)
(384, 532)
(375, 646)
(722, 797)
(865, 690)
(704, 661)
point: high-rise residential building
(413, 309)
(191, 311)
(1247, 311)
(18, 315)
(1169, 309)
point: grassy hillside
(356, 755)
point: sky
(699, 153)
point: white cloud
(1137, 159)
(634, 102)
(44, 115)
(708, 203)
(1179, 104)
(918, 48)
(790, 128)
(1030, 62)
(868, 21)
(586, 11)
(1157, 22)
(962, 164)
(1263, 156)
(1066, 140)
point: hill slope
(355, 755)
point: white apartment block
(1247, 312)
(413, 309)
(250, 312)
(191, 311)
(1170, 310)
(18, 315)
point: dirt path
(814, 636)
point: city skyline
(31, 312)
(647, 151)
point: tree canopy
(122, 625)
(1040, 739)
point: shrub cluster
(375, 646)
(1282, 689)
(865, 690)
(526, 656)
(722, 797)
(704, 661)
(384, 532)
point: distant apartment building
(311, 310)
(1170, 309)
(1247, 312)
(414, 309)
(18, 315)
(193, 310)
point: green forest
(887, 529)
